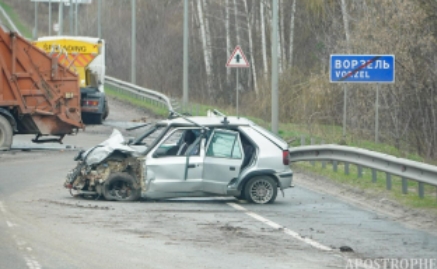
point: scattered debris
(346, 249)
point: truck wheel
(121, 187)
(5, 134)
(97, 118)
(261, 190)
(92, 118)
(106, 110)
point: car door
(223, 159)
(172, 171)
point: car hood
(115, 142)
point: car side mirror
(79, 155)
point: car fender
(260, 172)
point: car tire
(121, 187)
(261, 190)
(106, 110)
(6, 134)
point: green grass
(16, 19)
(365, 183)
(156, 110)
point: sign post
(363, 69)
(237, 60)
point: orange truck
(38, 95)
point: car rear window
(271, 136)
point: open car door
(223, 160)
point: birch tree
(228, 41)
(346, 23)
(237, 30)
(206, 54)
(291, 41)
(281, 36)
(263, 39)
(252, 55)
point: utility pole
(35, 30)
(275, 78)
(50, 17)
(133, 43)
(70, 10)
(99, 18)
(76, 6)
(61, 18)
(377, 114)
(186, 60)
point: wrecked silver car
(186, 157)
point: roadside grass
(292, 133)
(365, 183)
(15, 18)
(156, 110)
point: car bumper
(285, 179)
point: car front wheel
(261, 190)
(121, 187)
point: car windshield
(148, 137)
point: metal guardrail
(10, 22)
(142, 93)
(406, 169)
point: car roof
(218, 121)
(207, 121)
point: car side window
(177, 144)
(224, 145)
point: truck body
(37, 94)
(86, 57)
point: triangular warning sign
(237, 59)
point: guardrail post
(346, 168)
(374, 175)
(421, 189)
(323, 162)
(334, 166)
(404, 185)
(302, 140)
(388, 181)
(360, 171)
(312, 143)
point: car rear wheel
(261, 190)
(121, 187)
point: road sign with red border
(238, 59)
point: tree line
(309, 32)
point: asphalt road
(42, 226)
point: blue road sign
(362, 68)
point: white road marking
(32, 263)
(29, 249)
(278, 226)
(2, 208)
(10, 224)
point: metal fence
(421, 173)
(140, 93)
